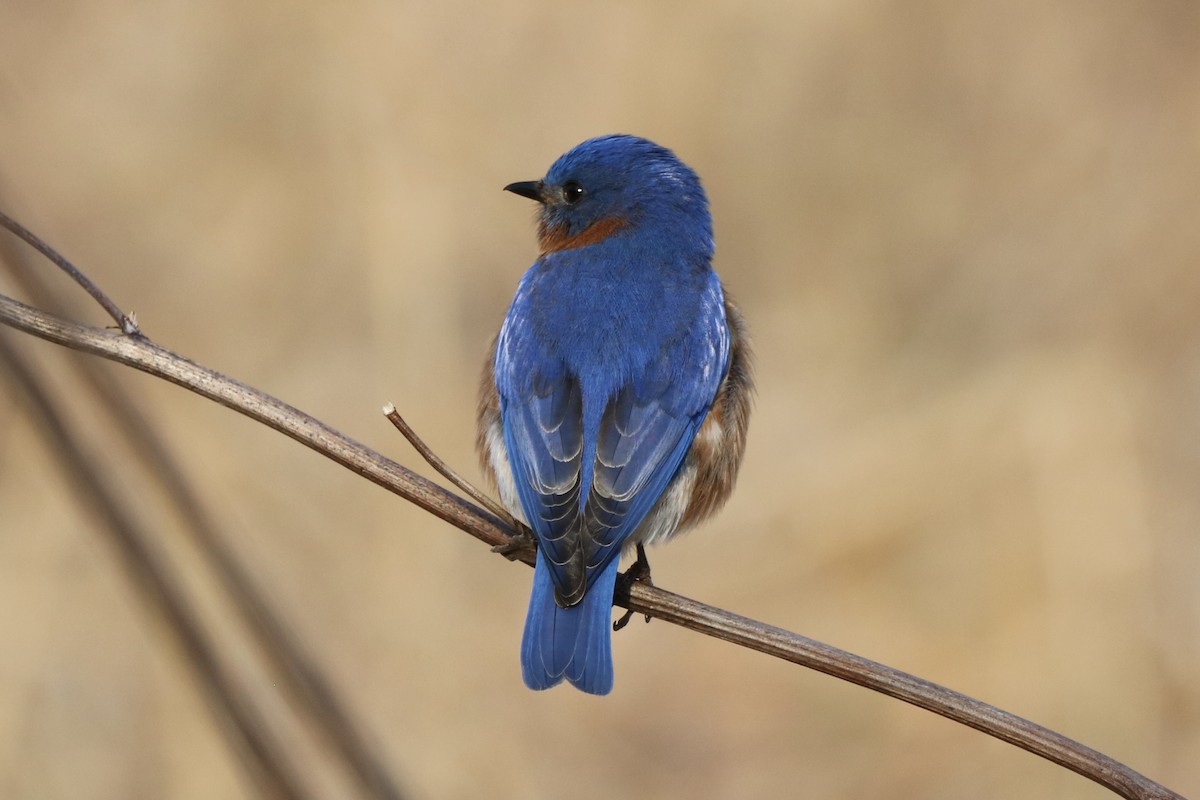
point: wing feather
(643, 435)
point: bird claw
(623, 620)
(638, 572)
(520, 544)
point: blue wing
(543, 432)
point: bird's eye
(572, 192)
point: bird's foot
(521, 544)
(638, 572)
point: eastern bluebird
(614, 406)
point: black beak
(530, 189)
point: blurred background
(965, 238)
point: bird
(615, 401)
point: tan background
(965, 236)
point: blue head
(620, 183)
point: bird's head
(618, 183)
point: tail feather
(573, 643)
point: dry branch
(138, 352)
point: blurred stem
(298, 671)
(274, 774)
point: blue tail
(573, 643)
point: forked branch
(140, 353)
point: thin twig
(153, 359)
(125, 322)
(298, 671)
(272, 769)
(435, 461)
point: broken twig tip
(444, 469)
